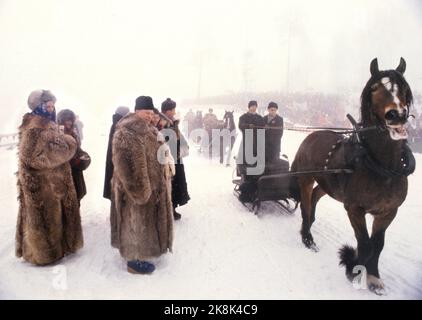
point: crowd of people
(144, 180)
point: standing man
(119, 114)
(189, 120)
(141, 209)
(210, 122)
(273, 134)
(250, 120)
(180, 195)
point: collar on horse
(362, 155)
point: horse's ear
(374, 67)
(402, 66)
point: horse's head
(386, 100)
(228, 115)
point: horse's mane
(396, 78)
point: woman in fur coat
(49, 223)
(81, 160)
(141, 208)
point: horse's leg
(317, 194)
(229, 152)
(221, 150)
(306, 187)
(381, 223)
(348, 256)
(210, 144)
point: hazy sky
(97, 54)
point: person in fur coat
(81, 160)
(141, 207)
(49, 222)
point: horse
(229, 125)
(378, 182)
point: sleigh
(273, 185)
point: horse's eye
(375, 86)
(392, 115)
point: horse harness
(357, 154)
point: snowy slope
(221, 250)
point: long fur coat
(49, 222)
(141, 210)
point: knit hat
(272, 105)
(144, 103)
(38, 97)
(122, 111)
(252, 103)
(167, 105)
(65, 115)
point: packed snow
(221, 250)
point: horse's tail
(348, 259)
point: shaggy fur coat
(49, 222)
(141, 210)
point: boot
(176, 215)
(140, 267)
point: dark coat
(109, 168)
(78, 166)
(141, 210)
(273, 138)
(49, 222)
(180, 195)
(179, 191)
(249, 121)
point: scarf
(41, 110)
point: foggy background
(98, 54)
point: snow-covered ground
(221, 250)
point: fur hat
(38, 97)
(65, 115)
(122, 111)
(144, 103)
(252, 103)
(272, 105)
(168, 105)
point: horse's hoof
(313, 247)
(375, 285)
(310, 244)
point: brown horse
(378, 183)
